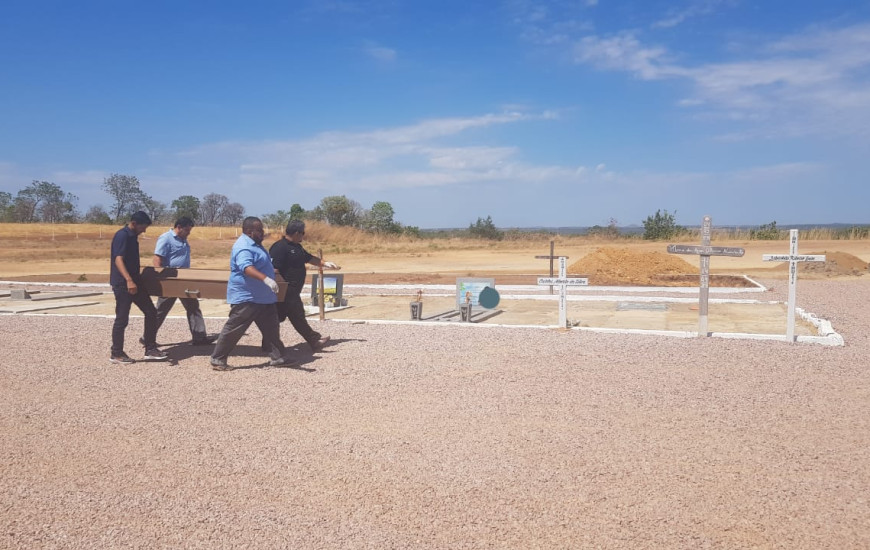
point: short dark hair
(248, 223)
(184, 221)
(295, 226)
(141, 218)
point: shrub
(662, 225)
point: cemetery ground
(436, 436)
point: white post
(563, 282)
(704, 298)
(792, 258)
(563, 293)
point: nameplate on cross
(705, 251)
(563, 282)
(793, 258)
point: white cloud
(696, 8)
(816, 82)
(381, 53)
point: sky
(559, 113)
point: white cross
(563, 282)
(792, 258)
(705, 251)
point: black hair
(248, 224)
(184, 221)
(141, 218)
(295, 226)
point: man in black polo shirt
(289, 259)
(126, 281)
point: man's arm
(255, 273)
(122, 268)
(157, 260)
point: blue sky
(560, 113)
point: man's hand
(330, 265)
(131, 287)
(270, 282)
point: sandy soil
(439, 437)
(409, 436)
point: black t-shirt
(125, 243)
(289, 260)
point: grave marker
(551, 257)
(705, 251)
(563, 282)
(792, 258)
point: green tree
(276, 221)
(662, 225)
(126, 193)
(7, 207)
(155, 209)
(97, 214)
(340, 210)
(380, 219)
(765, 232)
(297, 212)
(44, 201)
(186, 205)
(485, 229)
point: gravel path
(401, 436)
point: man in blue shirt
(125, 279)
(173, 250)
(252, 294)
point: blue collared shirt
(241, 289)
(174, 251)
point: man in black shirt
(126, 282)
(289, 259)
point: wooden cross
(792, 258)
(705, 251)
(563, 282)
(551, 257)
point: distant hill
(638, 229)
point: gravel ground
(408, 436)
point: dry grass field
(79, 252)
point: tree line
(47, 202)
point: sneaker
(219, 364)
(319, 344)
(205, 340)
(155, 354)
(121, 359)
(282, 362)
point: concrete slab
(29, 306)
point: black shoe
(155, 354)
(282, 362)
(319, 344)
(121, 359)
(206, 340)
(219, 364)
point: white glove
(270, 282)
(329, 265)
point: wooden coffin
(169, 282)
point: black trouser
(265, 316)
(294, 309)
(194, 315)
(123, 301)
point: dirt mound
(835, 264)
(622, 266)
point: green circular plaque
(488, 297)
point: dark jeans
(292, 308)
(265, 316)
(123, 301)
(194, 315)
